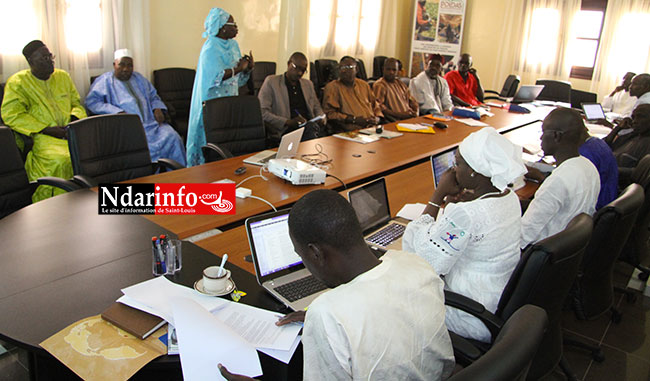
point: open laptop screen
(370, 203)
(273, 249)
(441, 162)
(593, 111)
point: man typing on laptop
(382, 319)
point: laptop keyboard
(387, 235)
(300, 288)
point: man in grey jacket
(288, 101)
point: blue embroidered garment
(109, 95)
(216, 56)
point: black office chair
(111, 148)
(578, 97)
(378, 67)
(508, 90)
(361, 70)
(513, 350)
(233, 127)
(15, 189)
(174, 86)
(326, 71)
(2, 94)
(543, 278)
(261, 70)
(557, 91)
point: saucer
(198, 286)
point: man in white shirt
(383, 319)
(430, 89)
(620, 101)
(573, 186)
(640, 88)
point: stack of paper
(472, 122)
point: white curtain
(624, 44)
(82, 34)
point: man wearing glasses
(348, 102)
(289, 101)
(40, 102)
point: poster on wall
(438, 28)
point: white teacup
(212, 282)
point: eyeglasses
(300, 69)
(544, 132)
(45, 57)
(231, 24)
(348, 67)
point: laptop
(279, 270)
(288, 148)
(593, 111)
(527, 93)
(441, 162)
(370, 203)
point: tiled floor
(626, 345)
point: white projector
(296, 171)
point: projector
(296, 171)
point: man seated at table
(392, 95)
(288, 100)
(383, 319)
(126, 91)
(430, 89)
(620, 101)
(348, 101)
(631, 144)
(573, 186)
(640, 88)
(40, 102)
(464, 84)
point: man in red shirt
(464, 84)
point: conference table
(63, 262)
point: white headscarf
(492, 155)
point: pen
(165, 251)
(158, 269)
(160, 255)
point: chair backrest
(109, 148)
(558, 91)
(235, 123)
(543, 278)
(513, 350)
(578, 97)
(261, 70)
(510, 86)
(326, 70)
(174, 86)
(612, 226)
(312, 75)
(15, 190)
(378, 66)
(2, 95)
(637, 246)
(361, 70)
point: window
(588, 26)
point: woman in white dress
(474, 243)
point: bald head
(562, 134)
(640, 85)
(566, 120)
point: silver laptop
(593, 111)
(370, 203)
(279, 270)
(527, 93)
(441, 162)
(288, 148)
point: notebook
(441, 162)
(279, 270)
(138, 323)
(288, 148)
(527, 93)
(370, 203)
(593, 111)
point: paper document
(412, 126)
(598, 130)
(284, 356)
(204, 342)
(472, 122)
(155, 295)
(257, 326)
(411, 211)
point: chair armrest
(167, 164)
(499, 98)
(464, 351)
(221, 151)
(491, 92)
(171, 110)
(463, 303)
(66, 185)
(84, 181)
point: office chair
(557, 91)
(326, 71)
(513, 350)
(261, 70)
(2, 95)
(637, 247)
(508, 90)
(361, 70)
(312, 75)
(378, 67)
(174, 86)
(233, 127)
(578, 97)
(111, 148)
(543, 278)
(15, 189)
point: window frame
(582, 72)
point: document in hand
(204, 342)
